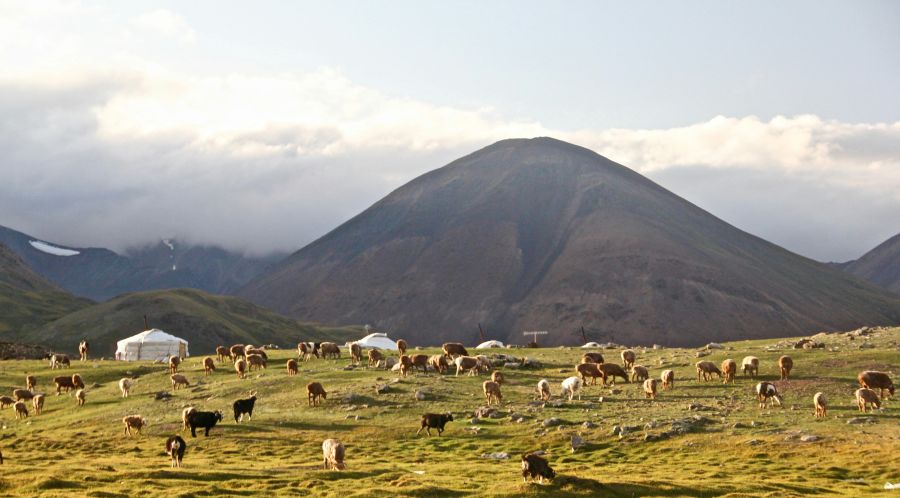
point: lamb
(434, 421)
(628, 358)
(179, 381)
(134, 423)
(125, 386)
(871, 379)
(866, 397)
(63, 382)
(26, 395)
(355, 354)
(405, 365)
(729, 370)
(175, 448)
(375, 356)
(6, 401)
(497, 377)
(206, 420)
(534, 465)
(570, 387)
(639, 373)
(243, 406)
(333, 454)
(821, 405)
(240, 367)
(592, 358)
(591, 370)
(30, 382)
(765, 391)
(255, 360)
(222, 353)
(454, 349)
(401, 346)
(650, 388)
(174, 361)
(83, 348)
(420, 362)
(613, 370)
(543, 389)
(57, 360)
(20, 409)
(668, 379)
(37, 402)
(492, 392)
(707, 369)
(185, 414)
(236, 351)
(292, 367)
(439, 363)
(466, 364)
(315, 393)
(330, 349)
(209, 366)
(750, 366)
(79, 397)
(786, 364)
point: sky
(260, 126)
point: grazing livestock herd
(873, 388)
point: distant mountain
(542, 234)
(28, 300)
(100, 274)
(203, 319)
(880, 266)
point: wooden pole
(481, 332)
(146, 323)
(583, 335)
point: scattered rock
(349, 398)
(689, 424)
(563, 370)
(162, 396)
(381, 389)
(809, 438)
(714, 345)
(485, 412)
(697, 407)
(588, 425)
(701, 354)
(601, 399)
(420, 396)
(866, 345)
(738, 425)
(862, 420)
(496, 456)
(754, 423)
(577, 442)
(615, 391)
(551, 422)
(531, 363)
(511, 364)
(754, 442)
(517, 417)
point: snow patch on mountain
(51, 249)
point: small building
(153, 344)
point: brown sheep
(591, 370)
(750, 366)
(20, 409)
(257, 351)
(222, 353)
(707, 369)
(466, 364)
(330, 349)
(179, 381)
(405, 365)
(639, 373)
(650, 388)
(315, 393)
(866, 397)
(79, 397)
(292, 367)
(174, 361)
(420, 362)
(492, 392)
(57, 360)
(454, 349)
(134, 423)
(439, 363)
(240, 367)
(543, 390)
(628, 358)
(209, 366)
(592, 358)
(821, 405)
(668, 379)
(612, 371)
(30, 382)
(6, 401)
(77, 382)
(402, 346)
(355, 354)
(871, 379)
(729, 370)
(497, 377)
(26, 395)
(786, 364)
(63, 382)
(255, 360)
(375, 356)
(333, 454)
(236, 351)
(37, 402)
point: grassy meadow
(738, 450)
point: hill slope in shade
(203, 319)
(880, 266)
(542, 234)
(28, 300)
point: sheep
(330, 349)
(243, 406)
(174, 361)
(77, 382)
(30, 382)
(209, 366)
(786, 364)
(650, 388)
(729, 370)
(375, 356)
(405, 365)
(591, 370)
(866, 397)
(668, 379)
(871, 379)
(420, 362)
(355, 354)
(240, 366)
(534, 465)
(492, 392)
(497, 377)
(571, 386)
(134, 423)
(256, 351)
(20, 409)
(765, 391)
(57, 360)
(222, 353)
(179, 381)
(37, 402)
(333, 455)
(434, 421)
(639, 373)
(628, 358)
(401, 346)
(484, 363)
(175, 448)
(26, 395)
(83, 348)
(707, 369)
(125, 386)
(454, 349)
(185, 414)
(63, 382)
(750, 366)
(292, 367)
(236, 351)
(304, 351)
(248, 348)
(315, 392)
(543, 389)
(206, 420)
(592, 358)
(79, 397)
(466, 364)
(439, 363)
(821, 405)
(612, 371)
(255, 360)
(6, 401)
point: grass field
(741, 450)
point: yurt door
(182, 350)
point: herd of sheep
(245, 358)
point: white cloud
(166, 23)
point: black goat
(175, 447)
(243, 406)
(434, 421)
(207, 420)
(535, 465)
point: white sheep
(571, 386)
(125, 386)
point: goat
(865, 397)
(315, 392)
(134, 423)
(125, 386)
(292, 367)
(184, 417)
(30, 382)
(592, 358)
(765, 391)
(80, 397)
(209, 366)
(639, 373)
(375, 356)
(454, 349)
(20, 409)
(786, 364)
(255, 360)
(330, 350)
(434, 421)
(729, 370)
(57, 360)
(871, 379)
(668, 379)
(497, 377)
(439, 363)
(179, 381)
(175, 448)
(206, 420)
(402, 346)
(821, 405)
(534, 465)
(492, 392)
(466, 364)
(240, 366)
(650, 388)
(543, 389)
(243, 406)
(83, 348)
(628, 358)
(37, 402)
(612, 371)
(571, 386)
(707, 369)
(333, 455)
(750, 364)
(355, 354)
(222, 353)
(591, 370)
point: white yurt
(153, 344)
(591, 345)
(377, 340)
(490, 344)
